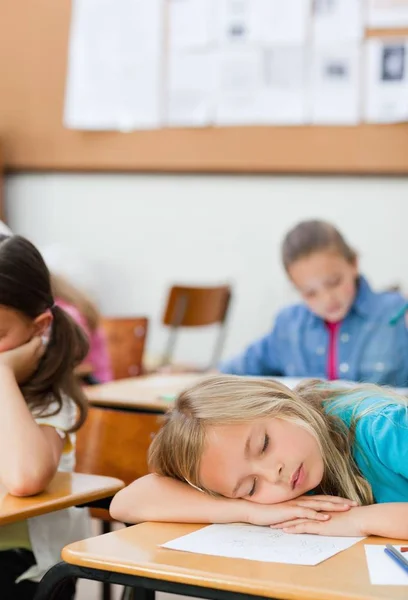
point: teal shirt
(381, 443)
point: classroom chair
(114, 443)
(196, 307)
(126, 338)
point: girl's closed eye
(265, 444)
(264, 448)
(253, 489)
(334, 282)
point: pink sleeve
(74, 313)
(99, 355)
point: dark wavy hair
(25, 286)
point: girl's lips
(297, 477)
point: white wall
(147, 231)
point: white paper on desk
(115, 62)
(387, 13)
(261, 543)
(285, 100)
(382, 569)
(335, 86)
(240, 80)
(191, 84)
(337, 20)
(386, 81)
(191, 23)
(281, 22)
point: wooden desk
(133, 557)
(140, 394)
(65, 490)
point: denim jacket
(370, 349)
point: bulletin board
(33, 62)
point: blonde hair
(62, 288)
(225, 400)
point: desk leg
(144, 587)
(54, 580)
(135, 593)
(106, 587)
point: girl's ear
(43, 323)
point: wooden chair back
(126, 338)
(115, 443)
(196, 307)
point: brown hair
(177, 448)
(312, 236)
(62, 288)
(25, 287)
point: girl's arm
(156, 498)
(29, 453)
(259, 358)
(384, 520)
